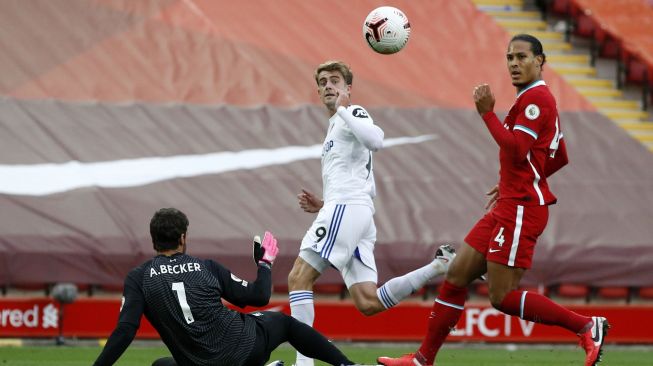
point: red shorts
(507, 234)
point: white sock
(302, 309)
(398, 288)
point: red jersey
(530, 143)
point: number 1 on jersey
(179, 288)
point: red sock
(539, 309)
(445, 314)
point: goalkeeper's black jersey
(181, 296)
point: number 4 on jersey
(179, 288)
(555, 143)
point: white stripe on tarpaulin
(44, 179)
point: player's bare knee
(455, 277)
(293, 277)
(367, 302)
(496, 298)
(369, 308)
(298, 281)
(302, 276)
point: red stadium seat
(318, 289)
(482, 289)
(542, 290)
(573, 292)
(585, 26)
(280, 289)
(422, 292)
(560, 6)
(111, 288)
(30, 286)
(614, 293)
(636, 70)
(645, 293)
(619, 28)
(431, 291)
(329, 288)
(43, 288)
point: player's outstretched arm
(268, 249)
(359, 122)
(116, 345)
(362, 126)
(242, 293)
(309, 202)
(128, 323)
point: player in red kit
(531, 148)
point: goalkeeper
(181, 296)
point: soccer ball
(386, 30)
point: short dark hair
(166, 227)
(536, 45)
(339, 66)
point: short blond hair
(339, 66)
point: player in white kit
(343, 234)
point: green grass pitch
(458, 355)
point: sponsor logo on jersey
(359, 113)
(327, 146)
(532, 112)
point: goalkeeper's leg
(165, 361)
(274, 328)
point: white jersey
(347, 169)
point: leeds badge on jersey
(532, 111)
(359, 112)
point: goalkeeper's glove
(265, 252)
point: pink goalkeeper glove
(268, 249)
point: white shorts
(342, 236)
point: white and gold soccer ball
(386, 30)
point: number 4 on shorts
(500, 238)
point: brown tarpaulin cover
(100, 81)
